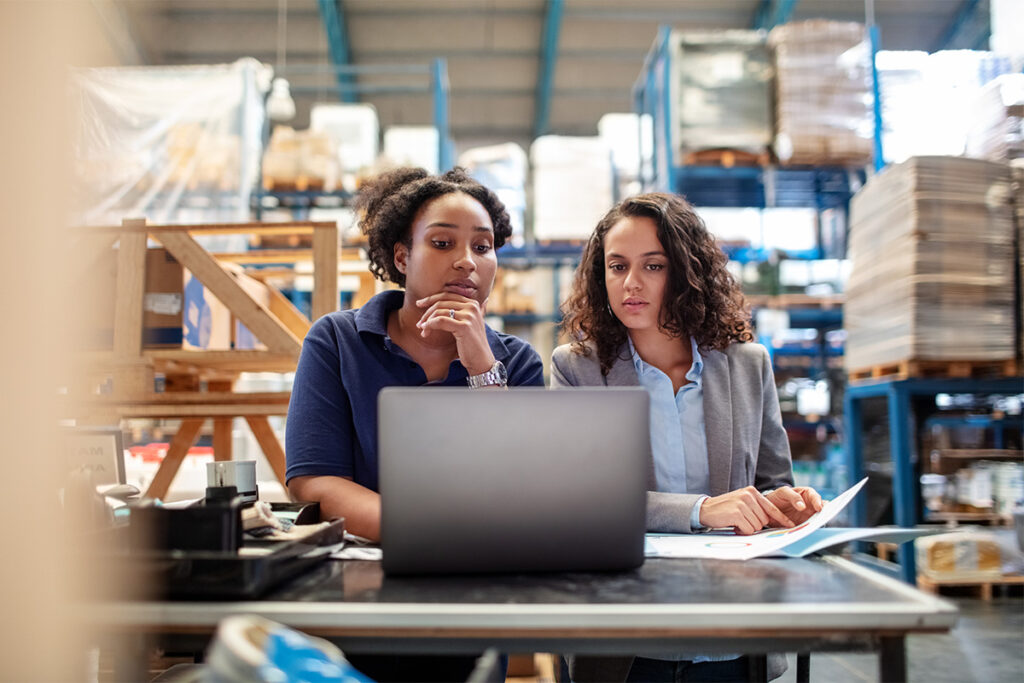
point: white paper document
(798, 541)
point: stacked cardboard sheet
(723, 90)
(1018, 206)
(823, 101)
(931, 242)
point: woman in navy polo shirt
(436, 237)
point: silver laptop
(512, 481)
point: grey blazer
(747, 446)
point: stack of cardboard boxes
(931, 242)
(823, 100)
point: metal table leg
(803, 667)
(892, 659)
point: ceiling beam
(965, 16)
(771, 13)
(332, 14)
(546, 71)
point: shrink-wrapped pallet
(722, 87)
(823, 101)
(503, 169)
(959, 556)
(997, 130)
(173, 144)
(931, 241)
(572, 186)
(300, 160)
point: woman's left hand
(464, 319)
(796, 502)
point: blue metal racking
(815, 187)
(898, 393)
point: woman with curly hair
(434, 236)
(652, 304)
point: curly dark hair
(702, 299)
(390, 202)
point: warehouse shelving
(900, 395)
(821, 188)
(738, 186)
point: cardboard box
(162, 302)
(209, 325)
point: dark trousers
(661, 671)
(418, 668)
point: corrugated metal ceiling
(494, 47)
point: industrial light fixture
(280, 105)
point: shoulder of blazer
(746, 352)
(586, 369)
(577, 367)
(744, 360)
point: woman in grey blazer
(653, 304)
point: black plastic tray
(209, 575)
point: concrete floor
(986, 646)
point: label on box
(162, 303)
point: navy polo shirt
(347, 358)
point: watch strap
(495, 377)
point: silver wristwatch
(497, 376)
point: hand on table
(797, 503)
(463, 318)
(746, 510)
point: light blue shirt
(679, 443)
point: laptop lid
(511, 481)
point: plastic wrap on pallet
(1008, 30)
(413, 146)
(931, 241)
(300, 160)
(967, 554)
(353, 128)
(823, 101)
(929, 100)
(722, 83)
(572, 186)
(631, 140)
(502, 168)
(997, 130)
(173, 144)
(905, 108)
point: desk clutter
(223, 546)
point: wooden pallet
(824, 303)
(906, 369)
(726, 157)
(985, 586)
(300, 183)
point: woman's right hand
(746, 510)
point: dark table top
(680, 595)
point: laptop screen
(525, 479)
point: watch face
(500, 372)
